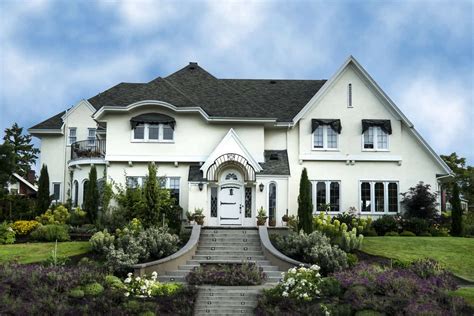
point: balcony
(88, 149)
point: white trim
(45, 131)
(98, 114)
(372, 84)
(60, 190)
(341, 157)
(271, 176)
(375, 140)
(20, 178)
(268, 199)
(372, 197)
(156, 158)
(146, 135)
(82, 102)
(86, 161)
(325, 139)
(327, 184)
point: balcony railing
(88, 149)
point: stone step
(229, 234)
(229, 257)
(224, 310)
(273, 279)
(269, 268)
(215, 261)
(230, 238)
(228, 253)
(181, 273)
(188, 267)
(231, 248)
(171, 278)
(273, 274)
(225, 303)
(229, 244)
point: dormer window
(375, 134)
(349, 95)
(153, 127)
(326, 134)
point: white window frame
(146, 138)
(314, 184)
(69, 135)
(91, 138)
(268, 199)
(376, 130)
(385, 197)
(325, 139)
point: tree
(420, 202)
(456, 215)
(25, 152)
(7, 165)
(91, 201)
(152, 195)
(463, 176)
(44, 199)
(305, 207)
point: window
(213, 201)
(349, 95)
(170, 183)
(153, 133)
(248, 202)
(76, 192)
(84, 191)
(324, 137)
(56, 191)
(327, 195)
(383, 193)
(375, 139)
(91, 137)
(173, 186)
(72, 135)
(272, 201)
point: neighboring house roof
(26, 182)
(276, 163)
(54, 122)
(194, 86)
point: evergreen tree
(7, 166)
(152, 194)
(456, 215)
(91, 200)
(44, 199)
(25, 153)
(305, 207)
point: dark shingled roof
(54, 122)
(276, 163)
(233, 98)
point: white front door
(230, 199)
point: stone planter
(261, 221)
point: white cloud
(440, 109)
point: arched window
(84, 191)
(76, 192)
(272, 201)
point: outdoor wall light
(200, 186)
(261, 186)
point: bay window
(379, 197)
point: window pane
(91, 137)
(56, 190)
(392, 197)
(365, 197)
(248, 202)
(272, 201)
(153, 132)
(139, 132)
(318, 137)
(174, 188)
(334, 196)
(213, 201)
(382, 139)
(369, 138)
(379, 197)
(320, 196)
(132, 182)
(167, 132)
(332, 137)
(72, 135)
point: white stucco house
(231, 146)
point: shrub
(407, 233)
(425, 234)
(469, 230)
(158, 242)
(438, 231)
(314, 248)
(93, 289)
(166, 289)
(23, 228)
(391, 234)
(101, 241)
(51, 233)
(76, 293)
(385, 224)
(114, 282)
(370, 232)
(416, 225)
(457, 222)
(420, 202)
(60, 215)
(338, 233)
(305, 206)
(227, 274)
(301, 284)
(78, 217)
(352, 259)
(7, 234)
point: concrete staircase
(226, 245)
(226, 300)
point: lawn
(457, 254)
(467, 293)
(36, 252)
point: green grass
(37, 252)
(467, 293)
(457, 254)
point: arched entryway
(230, 197)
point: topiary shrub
(51, 233)
(93, 289)
(385, 224)
(407, 233)
(101, 241)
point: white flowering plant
(143, 287)
(301, 283)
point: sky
(55, 53)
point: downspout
(65, 155)
(289, 178)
